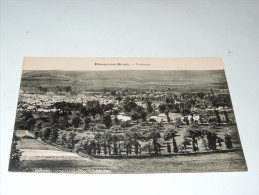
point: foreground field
(232, 161)
(40, 157)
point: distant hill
(189, 80)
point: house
(123, 118)
(174, 116)
(159, 118)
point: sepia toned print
(125, 115)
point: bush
(98, 127)
(125, 124)
(97, 120)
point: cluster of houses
(40, 102)
(43, 103)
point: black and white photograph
(108, 115)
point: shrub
(125, 124)
(97, 120)
(98, 127)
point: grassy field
(28, 142)
(40, 157)
(67, 166)
(232, 161)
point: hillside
(84, 80)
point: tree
(133, 105)
(27, 115)
(129, 105)
(178, 122)
(154, 135)
(168, 146)
(89, 146)
(200, 95)
(116, 112)
(170, 133)
(53, 134)
(115, 139)
(113, 93)
(134, 116)
(54, 118)
(162, 108)
(107, 138)
(126, 108)
(212, 140)
(138, 109)
(118, 98)
(98, 138)
(185, 142)
(109, 107)
(37, 125)
(227, 118)
(218, 117)
(87, 121)
(149, 107)
(185, 111)
(133, 136)
(15, 162)
(127, 145)
(167, 115)
(94, 108)
(107, 121)
(76, 121)
(71, 140)
(219, 140)
(62, 121)
(30, 124)
(46, 133)
(143, 115)
(116, 120)
(64, 139)
(228, 141)
(193, 132)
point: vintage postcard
(125, 115)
